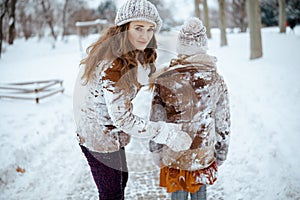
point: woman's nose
(143, 35)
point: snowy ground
(264, 93)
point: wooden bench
(34, 90)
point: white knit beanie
(192, 38)
(138, 10)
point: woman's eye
(138, 29)
(151, 30)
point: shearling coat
(103, 109)
(193, 94)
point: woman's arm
(174, 139)
(118, 95)
(119, 90)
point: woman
(192, 93)
(116, 67)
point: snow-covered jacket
(193, 94)
(103, 109)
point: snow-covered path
(262, 161)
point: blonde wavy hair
(114, 46)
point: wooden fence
(34, 90)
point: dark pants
(109, 171)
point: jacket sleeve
(222, 120)
(157, 113)
(118, 96)
(118, 93)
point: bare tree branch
(48, 17)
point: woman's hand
(171, 135)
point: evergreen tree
(293, 10)
(269, 12)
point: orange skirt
(189, 181)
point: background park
(42, 43)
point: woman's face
(140, 34)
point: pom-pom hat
(138, 10)
(192, 38)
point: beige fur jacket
(193, 94)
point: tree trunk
(25, 21)
(64, 18)
(12, 19)
(282, 16)
(243, 16)
(222, 22)
(49, 19)
(1, 31)
(255, 29)
(197, 9)
(239, 14)
(206, 18)
(3, 11)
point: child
(192, 93)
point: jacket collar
(203, 59)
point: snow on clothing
(104, 116)
(193, 94)
(100, 127)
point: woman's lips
(142, 42)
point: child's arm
(120, 108)
(222, 118)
